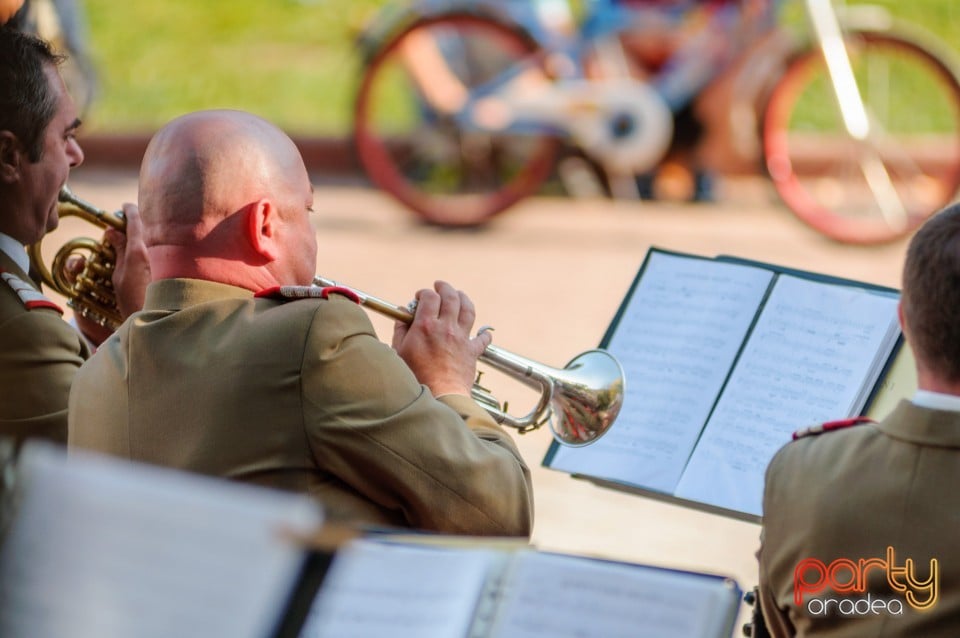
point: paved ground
(549, 276)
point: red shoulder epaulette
(307, 292)
(829, 426)
(30, 296)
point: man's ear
(11, 157)
(262, 225)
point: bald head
(221, 191)
(203, 167)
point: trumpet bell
(580, 401)
(587, 397)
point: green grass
(290, 61)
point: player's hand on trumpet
(130, 277)
(132, 271)
(437, 345)
(93, 331)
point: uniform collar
(15, 251)
(923, 425)
(177, 294)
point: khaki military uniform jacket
(851, 494)
(298, 395)
(40, 354)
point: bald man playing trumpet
(223, 375)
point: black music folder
(446, 587)
(724, 358)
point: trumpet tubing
(90, 293)
(580, 401)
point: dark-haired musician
(860, 519)
(227, 372)
(39, 352)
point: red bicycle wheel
(883, 185)
(413, 149)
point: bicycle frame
(601, 115)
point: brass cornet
(91, 292)
(580, 401)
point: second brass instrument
(580, 401)
(90, 293)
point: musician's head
(225, 196)
(931, 297)
(38, 123)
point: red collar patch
(307, 292)
(829, 426)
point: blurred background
(299, 63)
(291, 61)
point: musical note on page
(810, 357)
(723, 360)
(676, 338)
(426, 586)
(374, 589)
(568, 597)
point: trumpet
(580, 401)
(91, 292)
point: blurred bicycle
(462, 111)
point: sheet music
(101, 547)
(676, 340)
(570, 597)
(382, 589)
(813, 350)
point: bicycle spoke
(884, 192)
